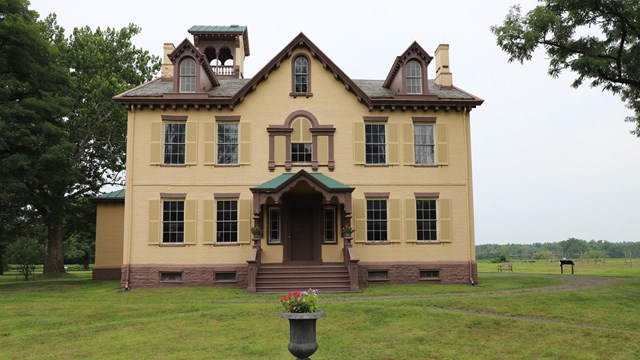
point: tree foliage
(62, 137)
(571, 248)
(35, 150)
(599, 40)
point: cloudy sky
(549, 162)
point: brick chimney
(167, 66)
(443, 72)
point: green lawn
(610, 267)
(507, 316)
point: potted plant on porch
(301, 308)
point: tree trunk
(54, 261)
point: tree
(26, 253)
(35, 150)
(599, 40)
(61, 135)
(101, 64)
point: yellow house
(257, 182)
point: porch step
(285, 278)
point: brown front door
(302, 234)
(302, 242)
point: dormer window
(187, 76)
(414, 77)
(300, 79)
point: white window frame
(433, 220)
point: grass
(507, 316)
(611, 267)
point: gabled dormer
(408, 75)
(191, 71)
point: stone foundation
(410, 273)
(151, 275)
(106, 273)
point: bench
(505, 267)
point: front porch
(300, 214)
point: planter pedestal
(302, 333)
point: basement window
(377, 275)
(429, 274)
(170, 277)
(229, 276)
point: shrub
(25, 253)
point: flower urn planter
(302, 333)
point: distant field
(610, 267)
(506, 316)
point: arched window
(301, 75)
(414, 77)
(301, 141)
(187, 76)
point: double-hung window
(424, 144)
(377, 220)
(227, 143)
(375, 144)
(414, 78)
(274, 226)
(227, 221)
(173, 221)
(174, 143)
(330, 225)
(427, 219)
(187, 76)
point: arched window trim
(286, 130)
(294, 91)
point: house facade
(251, 181)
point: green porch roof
(113, 196)
(322, 179)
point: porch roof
(322, 179)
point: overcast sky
(549, 162)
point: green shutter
(245, 143)
(190, 216)
(411, 229)
(191, 146)
(442, 150)
(209, 235)
(394, 215)
(154, 222)
(409, 158)
(358, 143)
(156, 143)
(244, 221)
(445, 220)
(210, 142)
(360, 220)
